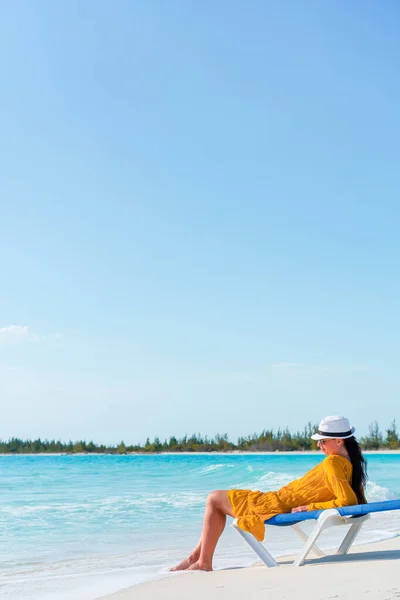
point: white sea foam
(217, 467)
(378, 493)
(82, 579)
(270, 481)
(274, 479)
(112, 504)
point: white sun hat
(333, 428)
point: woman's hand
(300, 508)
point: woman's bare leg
(217, 507)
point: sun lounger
(347, 515)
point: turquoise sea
(78, 527)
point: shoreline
(211, 453)
(370, 568)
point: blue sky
(199, 216)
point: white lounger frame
(328, 518)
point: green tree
(121, 448)
(79, 447)
(374, 439)
(392, 440)
(172, 443)
(157, 445)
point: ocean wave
(267, 482)
(110, 504)
(211, 468)
(378, 493)
(180, 499)
(217, 467)
(40, 509)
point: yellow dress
(326, 486)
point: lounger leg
(307, 547)
(258, 548)
(349, 538)
(304, 537)
(327, 518)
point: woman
(338, 480)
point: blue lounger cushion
(345, 511)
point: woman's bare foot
(185, 564)
(200, 566)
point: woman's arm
(303, 508)
(338, 482)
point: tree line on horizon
(266, 441)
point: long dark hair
(359, 478)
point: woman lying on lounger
(337, 481)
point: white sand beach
(370, 571)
